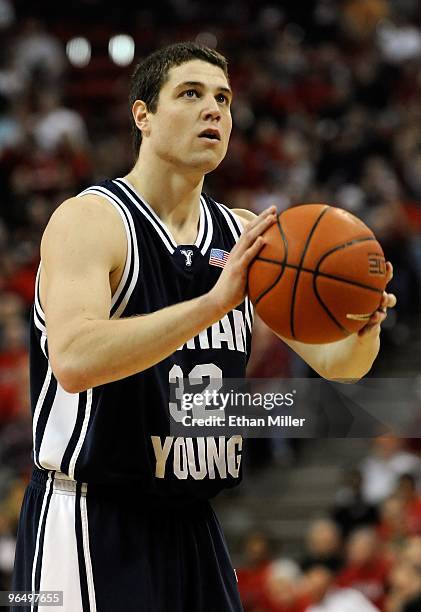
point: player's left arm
(349, 359)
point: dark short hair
(152, 73)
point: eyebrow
(200, 84)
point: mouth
(210, 134)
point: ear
(141, 117)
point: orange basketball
(320, 275)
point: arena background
(327, 109)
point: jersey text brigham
(231, 330)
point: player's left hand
(372, 328)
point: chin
(205, 165)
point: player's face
(192, 124)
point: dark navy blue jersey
(120, 431)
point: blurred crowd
(326, 109)
(363, 555)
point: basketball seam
(319, 263)
(321, 274)
(343, 245)
(323, 305)
(306, 245)
(315, 276)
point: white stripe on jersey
(38, 323)
(63, 415)
(131, 250)
(160, 227)
(60, 550)
(202, 224)
(39, 317)
(238, 222)
(87, 553)
(248, 308)
(43, 342)
(82, 435)
(59, 428)
(41, 520)
(210, 227)
(38, 408)
(99, 191)
(229, 219)
(148, 212)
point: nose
(211, 110)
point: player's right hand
(230, 289)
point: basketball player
(133, 295)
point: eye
(222, 98)
(191, 93)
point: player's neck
(172, 194)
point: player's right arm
(83, 244)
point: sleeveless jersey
(120, 432)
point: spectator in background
(326, 597)
(16, 434)
(392, 528)
(405, 588)
(407, 492)
(414, 603)
(281, 589)
(38, 53)
(252, 574)
(13, 356)
(405, 583)
(350, 509)
(20, 270)
(54, 123)
(411, 550)
(11, 306)
(7, 14)
(323, 543)
(11, 130)
(366, 567)
(13, 81)
(361, 17)
(385, 214)
(381, 469)
(7, 549)
(12, 493)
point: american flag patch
(218, 257)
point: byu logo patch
(188, 254)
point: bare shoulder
(88, 224)
(89, 208)
(246, 216)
